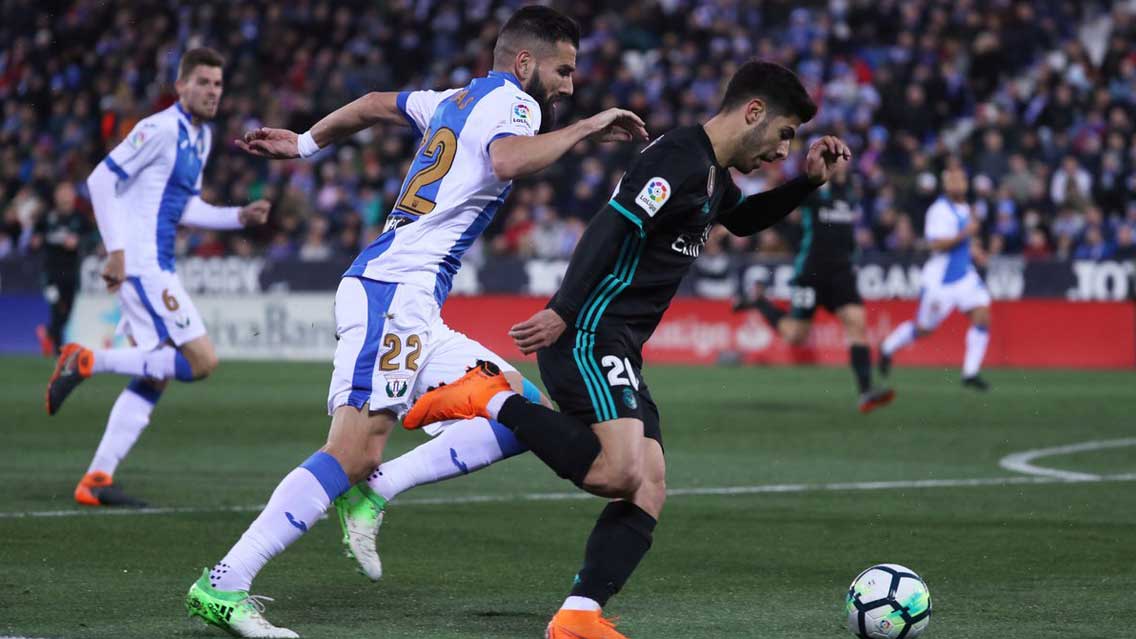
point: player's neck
(193, 119)
(717, 129)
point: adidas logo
(225, 612)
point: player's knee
(205, 365)
(614, 482)
(356, 464)
(794, 337)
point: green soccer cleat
(360, 511)
(234, 611)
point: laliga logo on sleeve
(522, 114)
(654, 195)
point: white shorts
(156, 308)
(937, 302)
(393, 346)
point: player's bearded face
(200, 93)
(551, 81)
(547, 100)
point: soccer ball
(888, 601)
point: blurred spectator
(315, 247)
(1008, 86)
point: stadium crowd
(1037, 99)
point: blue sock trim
(183, 372)
(531, 392)
(328, 473)
(981, 329)
(510, 445)
(141, 388)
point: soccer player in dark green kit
(621, 279)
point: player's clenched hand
(824, 155)
(254, 213)
(538, 331)
(276, 144)
(114, 271)
(617, 125)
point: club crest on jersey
(522, 114)
(629, 399)
(654, 195)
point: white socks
(976, 340)
(579, 603)
(462, 448)
(903, 335)
(128, 418)
(155, 364)
(497, 401)
(296, 504)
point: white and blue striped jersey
(450, 193)
(946, 219)
(159, 168)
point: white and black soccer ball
(888, 601)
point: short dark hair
(536, 22)
(199, 57)
(779, 87)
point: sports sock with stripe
(298, 502)
(460, 449)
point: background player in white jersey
(141, 192)
(393, 344)
(950, 281)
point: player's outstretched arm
(593, 260)
(762, 210)
(281, 144)
(201, 214)
(516, 156)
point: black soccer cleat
(98, 489)
(74, 365)
(976, 382)
(875, 398)
(884, 364)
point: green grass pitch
(1006, 559)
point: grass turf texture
(1010, 561)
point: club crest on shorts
(629, 399)
(396, 387)
(654, 195)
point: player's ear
(754, 110)
(525, 65)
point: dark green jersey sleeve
(659, 181)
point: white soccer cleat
(361, 514)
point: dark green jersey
(828, 222)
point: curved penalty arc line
(1021, 462)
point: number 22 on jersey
(440, 146)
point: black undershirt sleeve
(593, 259)
(762, 210)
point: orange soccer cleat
(75, 364)
(46, 344)
(97, 488)
(876, 398)
(466, 398)
(581, 624)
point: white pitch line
(1020, 462)
(579, 495)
